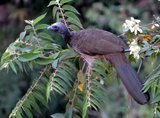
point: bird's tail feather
(128, 77)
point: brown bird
(99, 44)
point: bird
(95, 43)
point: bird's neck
(67, 36)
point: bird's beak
(50, 27)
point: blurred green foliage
(107, 15)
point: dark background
(103, 14)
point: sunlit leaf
(13, 67)
(5, 55)
(22, 34)
(44, 61)
(52, 3)
(39, 18)
(45, 35)
(42, 26)
(64, 1)
(28, 56)
(70, 8)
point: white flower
(134, 49)
(135, 20)
(133, 25)
(136, 28)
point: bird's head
(59, 27)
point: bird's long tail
(128, 77)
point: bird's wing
(95, 41)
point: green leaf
(55, 63)
(60, 82)
(37, 95)
(29, 37)
(65, 74)
(13, 67)
(27, 21)
(28, 49)
(153, 57)
(44, 61)
(97, 92)
(71, 65)
(100, 70)
(69, 70)
(96, 103)
(62, 76)
(18, 114)
(19, 64)
(57, 115)
(28, 27)
(55, 8)
(71, 20)
(39, 18)
(22, 34)
(153, 89)
(45, 80)
(4, 66)
(34, 105)
(42, 26)
(54, 56)
(98, 84)
(26, 104)
(41, 87)
(45, 35)
(72, 15)
(5, 55)
(52, 3)
(73, 27)
(28, 112)
(84, 108)
(28, 56)
(59, 87)
(68, 114)
(64, 1)
(156, 99)
(48, 90)
(151, 115)
(70, 8)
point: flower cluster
(133, 25)
(134, 49)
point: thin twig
(61, 11)
(139, 66)
(150, 46)
(153, 71)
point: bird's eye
(55, 27)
